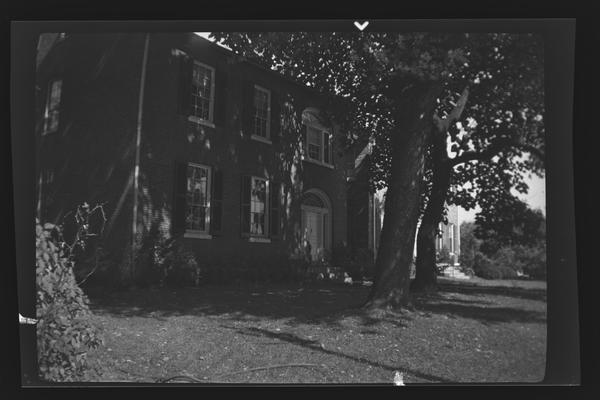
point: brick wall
(170, 137)
(92, 152)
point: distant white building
(449, 235)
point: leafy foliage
(443, 256)
(469, 247)
(358, 263)
(489, 268)
(366, 79)
(359, 75)
(80, 235)
(505, 245)
(499, 138)
(65, 331)
(510, 222)
(163, 260)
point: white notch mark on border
(27, 321)
(361, 26)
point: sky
(535, 197)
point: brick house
(181, 138)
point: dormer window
(317, 140)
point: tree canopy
(479, 95)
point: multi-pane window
(262, 112)
(51, 112)
(258, 206)
(203, 78)
(197, 198)
(318, 145)
(314, 143)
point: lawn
(473, 331)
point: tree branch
(443, 124)
(494, 149)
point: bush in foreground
(65, 332)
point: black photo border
(564, 113)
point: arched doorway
(316, 222)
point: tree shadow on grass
(321, 304)
(471, 289)
(485, 314)
(316, 346)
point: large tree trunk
(394, 256)
(426, 270)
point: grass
(473, 331)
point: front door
(313, 230)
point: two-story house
(180, 137)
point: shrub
(443, 256)
(494, 268)
(160, 260)
(358, 263)
(180, 266)
(532, 260)
(65, 331)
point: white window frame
(322, 132)
(195, 233)
(264, 238)
(45, 127)
(254, 136)
(211, 104)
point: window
(318, 146)
(51, 112)
(260, 209)
(258, 206)
(262, 113)
(197, 215)
(203, 93)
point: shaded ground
(468, 332)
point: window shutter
(216, 203)
(221, 90)
(245, 205)
(303, 138)
(179, 198)
(186, 68)
(275, 117)
(275, 206)
(248, 107)
(327, 148)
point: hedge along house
(180, 138)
